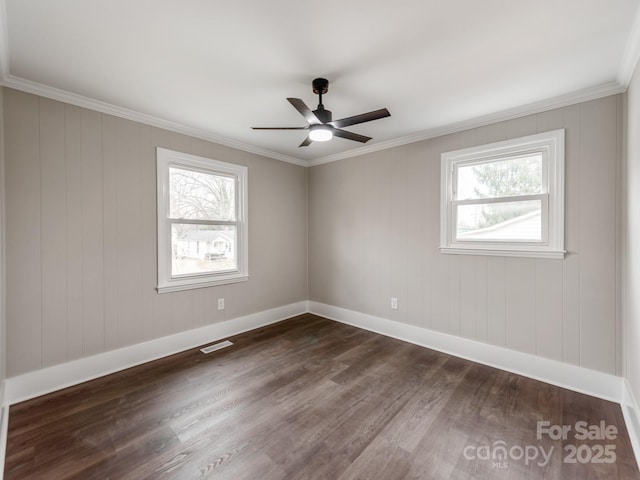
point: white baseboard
(47, 380)
(579, 379)
(631, 413)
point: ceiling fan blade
(306, 142)
(350, 135)
(304, 111)
(363, 117)
(279, 128)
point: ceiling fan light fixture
(320, 125)
(320, 133)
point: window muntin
(505, 198)
(202, 229)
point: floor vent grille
(216, 346)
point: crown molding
(573, 98)
(631, 52)
(28, 86)
(35, 88)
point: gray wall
(81, 245)
(374, 234)
(632, 238)
(81, 235)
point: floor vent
(216, 346)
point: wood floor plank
(307, 398)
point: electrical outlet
(221, 304)
(394, 303)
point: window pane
(504, 178)
(197, 249)
(500, 221)
(201, 196)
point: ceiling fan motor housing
(320, 86)
(323, 115)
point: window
(202, 222)
(505, 198)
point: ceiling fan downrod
(320, 87)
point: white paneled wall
(374, 234)
(3, 323)
(632, 240)
(81, 235)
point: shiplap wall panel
(454, 294)
(317, 231)
(550, 281)
(358, 228)
(520, 311)
(431, 237)
(521, 127)
(23, 232)
(343, 236)
(548, 309)
(160, 322)
(73, 170)
(110, 252)
(81, 235)
(54, 232)
(481, 298)
(376, 209)
(467, 282)
(93, 305)
(128, 233)
(397, 234)
(148, 255)
(441, 286)
(482, 135)
(444, 284)
(572, 214)
(549, 120)
(559, 309)
(415, 239)
(598, 121)
(496, 301)
(496, 132)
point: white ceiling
(214, 69)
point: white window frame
(551, 146)
(166, 282)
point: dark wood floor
(309, 398)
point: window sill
(504, 252)
(193, 283)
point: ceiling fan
(320, 125)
